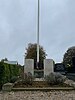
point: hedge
(7, 72)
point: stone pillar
(29, 66)
(48, 66)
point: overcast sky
(18, 27)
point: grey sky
(18, 26)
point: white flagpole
(38, 36)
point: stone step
(43, 89)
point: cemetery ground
(52, 94)
(52, 80)
(56, 92)
(40, 85)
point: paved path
(38, 95)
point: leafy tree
(31, 53)
(68, 57)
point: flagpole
(38, 36)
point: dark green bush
(13, 79)
(1, 74)
(8, 72)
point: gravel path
(38, 95)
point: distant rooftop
(11, 62)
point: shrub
(55, 78)
(1, 74)
(28, 78)
(13, 79)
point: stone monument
(29, 66)
(48, 66)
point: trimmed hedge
(7, 72)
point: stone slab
(48, 66)
(29, 66)
(7, 87)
